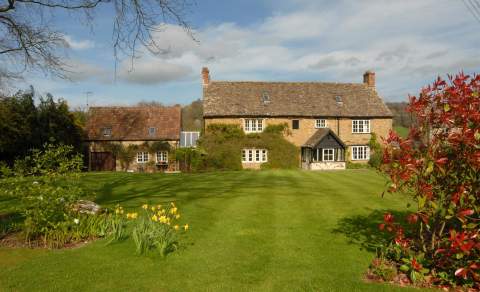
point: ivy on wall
(222, 145)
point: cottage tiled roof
(312, 99)
(318, 136)
(133, 123)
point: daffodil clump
(156, 227)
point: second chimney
(205, 76)
(369, 79)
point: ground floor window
(328, 155)
(360, 153)
(162, 157)
(254, 155)
(142, 157)
(323, 154)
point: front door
(102, 161)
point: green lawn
(250, 231)
(401, 131)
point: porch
(323, 151)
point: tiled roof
(133, 123)
(313, 99)
(319, 135)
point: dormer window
(152, 131)
(339, 100)
(265, 97)
(107, 132)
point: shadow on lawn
(363, 229)
(187, 187)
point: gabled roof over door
(325, 138)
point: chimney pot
(369, 79)
(205, 76)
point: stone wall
(341, 127)
(98, 146)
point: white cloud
(79, 44)
(406, 42)
(78, 71)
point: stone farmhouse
(154, 131)
(330, 123)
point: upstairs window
(162, 156)
(142, 157)
(253, 125)
(254, 155)
(107, 132)
(361, 126)
(295, 124)
(320, 123)
(152, 131)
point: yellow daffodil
(145, 206)
(154, 218)
(177, 216)
(121, 211)
(173, 210)
(176, 227)
(173, 204)
(117, 211)
(159, 207)
(163, 219)
(132, 215)
(185, 227)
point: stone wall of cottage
(342, 127)
(98, 146)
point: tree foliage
(439, 164)
(25, 126)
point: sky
(406, 43)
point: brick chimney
(205, 76)
(369, 79)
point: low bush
(376, 152)
(438, 164)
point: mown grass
(250, 231)
(401, 131)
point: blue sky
(407, 43)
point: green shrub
(5, 171)
(222, 145)
(376, 152)
(190, 159)
(51, 160)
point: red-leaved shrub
(439, 164)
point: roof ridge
(289, 82)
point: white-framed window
(328, 154)
(320, 123)
(253, 125)
(254, 155)
(360, 153)
(162, 156)
(107, 131)
(152, 131)
(360, 126)
(142, 157)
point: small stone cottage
(330, 123)
(147, 134)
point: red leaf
(464, 213)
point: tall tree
(30, 41)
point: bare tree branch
(28, 41)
